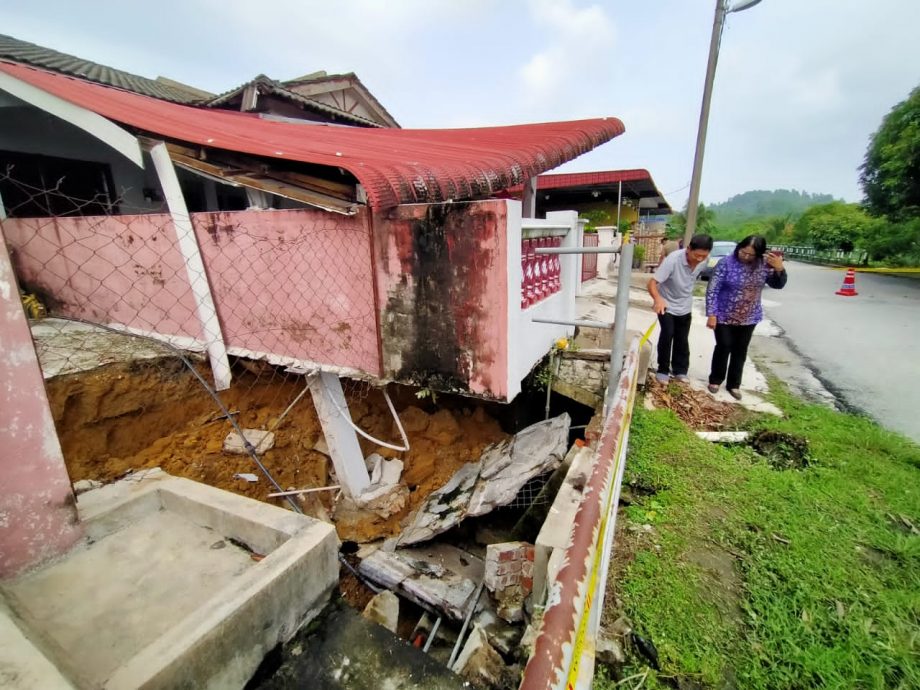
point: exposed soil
(155, 413)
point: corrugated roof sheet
(394, 165)
(31, 54)
(560, 180)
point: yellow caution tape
(648, 334)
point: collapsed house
(290, 223)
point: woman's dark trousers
(730, 353)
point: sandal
(712, 388)
(735, 393)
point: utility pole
(717, 24)
(694, 201)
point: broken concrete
(262, 441)
(479, 663)
(385, 496)
(477, 488)
(178, 584)
(554, 535)
(344, 651)
(439, 577)
(502, 635)
(383, 610)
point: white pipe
(298, 492)
(370, 438)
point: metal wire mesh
(131, 314)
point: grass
(762, 578)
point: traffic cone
(848, 289)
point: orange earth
(155, 413)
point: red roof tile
(394, 165)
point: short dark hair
(756, 241)
(701, 242)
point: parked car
(719, 250)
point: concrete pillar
(605, 235)
(529, 198)
(38, 515)
(334, 417)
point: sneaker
(712, 388)
(683, 378)
(662, 378)
(735, 393)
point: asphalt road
(863, 347)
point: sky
(801, 85)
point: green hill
(788, 203)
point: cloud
(577, 41)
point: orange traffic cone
(848, 289)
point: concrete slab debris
(84, 485)
(479, 663)
(386, 495)
(437, 576)
(262, 441)
(724, 436)
(477, 488)
(167, 591)
(383, 610)
(503, 636)
(345, 651)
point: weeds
(766, 579)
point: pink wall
(38, 517)
(443, 290)
(107, 269)
(297, 283)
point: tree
(890, 173)
(835, 226)
(705, 223)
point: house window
(36, 186)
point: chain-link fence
(152, 329)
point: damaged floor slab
(177, 584)
(345, 651)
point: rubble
(440, 576)
(479, 487)
(509, 577)
(479, 663)
(84, 485)
(386, 495)
(383, 609)
(262, 441)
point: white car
(719, 250)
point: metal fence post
(618, 342)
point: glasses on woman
(747, 253)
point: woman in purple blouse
(733, 307)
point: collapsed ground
(155, 413)
(732, 570)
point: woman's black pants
(730, 353)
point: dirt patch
(783, 451)
(697, 409)
(124, 417)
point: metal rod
(466, 623)
(578, 250)
(618, 341)
(290, 407)
(305, 491)
(434, 631)
(582, 323)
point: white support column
(529, 198)
(194, 266)
(335, 419)
(2, 209)
(258, 199)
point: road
(863, 347)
